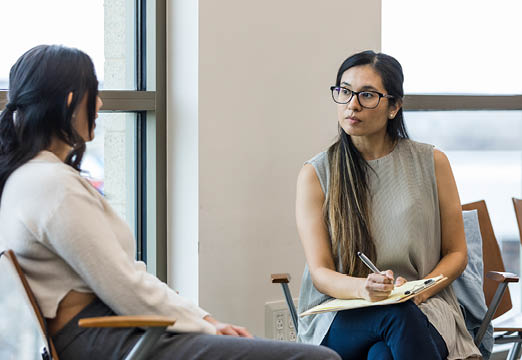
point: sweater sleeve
(80, 233)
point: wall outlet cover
(278, 321)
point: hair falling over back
(39, 85)
(347, 205)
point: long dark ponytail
(37, 111)
(347, 206)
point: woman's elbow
(462, 262)
(317, 280)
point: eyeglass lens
(367, 99)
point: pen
(367, 262)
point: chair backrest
(13, 269)
(517, 204)
(491, 256)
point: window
(485, 153)
(126, 40)
(465, 61)
(457, 47)
(110, 163)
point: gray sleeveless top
(406, 228)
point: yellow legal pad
(398, 295)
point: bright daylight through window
(105, 30)
(473, 48)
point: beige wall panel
(265, 68)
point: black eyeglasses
(368, 99)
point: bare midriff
(69, 307)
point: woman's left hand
(419, 299)
(228, 329)
(400, 281)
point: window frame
(421, 102)
(148, 102)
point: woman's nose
(353, 103)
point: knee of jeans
(379, 351)
(406, 311)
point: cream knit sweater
(67, 237)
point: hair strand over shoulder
(347, 207)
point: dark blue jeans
(398, 331)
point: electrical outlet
(292, 336)
(278, 321)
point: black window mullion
(141, 145)
(141, 188)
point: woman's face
(353, 118)
(81, 119)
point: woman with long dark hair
(77, 253)
(378, 192)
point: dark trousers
(398, 331)
(75, 343)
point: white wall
(182, 147)
(263, 108)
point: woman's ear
(69, 98)
(394, 109)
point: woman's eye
(345, 91)
(367, 95)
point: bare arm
(453, 241)
(316, 243)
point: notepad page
(395, 296)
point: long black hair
(39, 85)
(347, 206)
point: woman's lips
(353, 120)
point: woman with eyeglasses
(77, 254)
(377, 192)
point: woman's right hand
(377, 286)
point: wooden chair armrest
(280, 278)
(502, 276)
(127, 321)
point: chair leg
(495, 302)
(514, 352)
(141, 349)
(290, 303)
